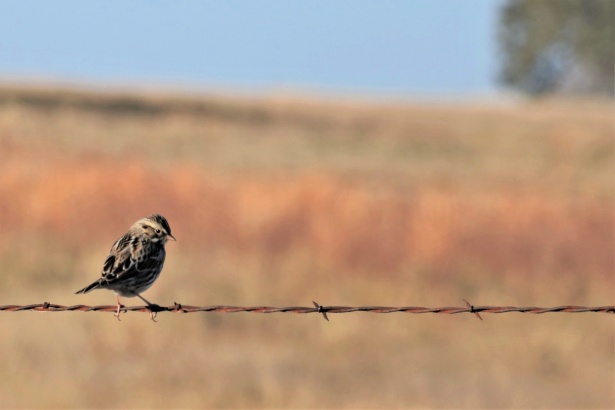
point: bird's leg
(143, 299)
(153, 308)
(119, 307)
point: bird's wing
(120, 261)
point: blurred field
(281, 201)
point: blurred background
(401, 154)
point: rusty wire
(324, 310)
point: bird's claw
(153, 310)
(118, 311)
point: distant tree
(558, 46)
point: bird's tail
(90, 287)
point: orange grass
(285, 201)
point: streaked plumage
(135, 260)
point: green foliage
(558, 46)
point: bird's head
(155, 227)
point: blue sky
(412, 47)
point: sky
(411, 47)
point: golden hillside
(281, 201)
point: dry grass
(284, 201)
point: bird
(135, 261)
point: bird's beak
(172, 237)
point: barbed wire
(324, 310)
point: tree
(558, 46)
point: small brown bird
(135, 261)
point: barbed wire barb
(472, 309)
(323, 310)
